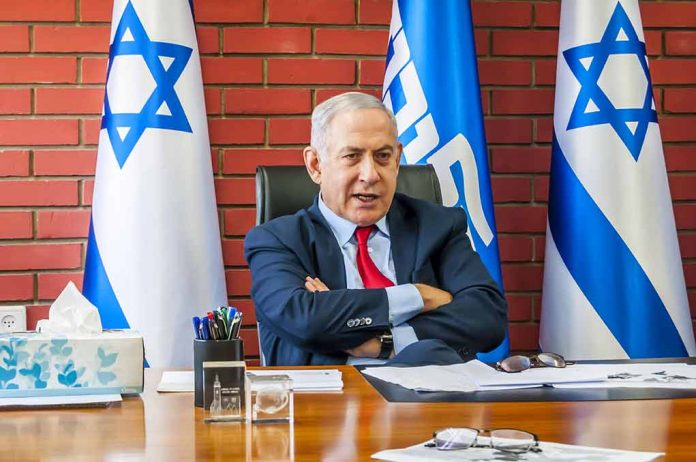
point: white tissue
(71, 313)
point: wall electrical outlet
(13, 318)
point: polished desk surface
(348, 425)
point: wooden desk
(350, 425)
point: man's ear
(312, 163)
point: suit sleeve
(322, 322)
(476, 319)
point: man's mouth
(366, 198)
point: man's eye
(383, 155)
(351, 156)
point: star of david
(593, 106)
(162, 108)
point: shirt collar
(344, 229)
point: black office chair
(283, 190)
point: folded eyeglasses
(519, 363)
(508, 440)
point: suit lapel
(327, 254)
(403, 235)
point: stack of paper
(302, 380)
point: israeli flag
(613, 280)
(431, 83)
(154, 258)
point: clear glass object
(269, 398)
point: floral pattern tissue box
(40, 364)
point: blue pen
(197, 326)
(206, 329)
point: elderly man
(364, 274)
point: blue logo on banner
(162, 108)
(593, 106)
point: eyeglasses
(519, 363)
(507, 440)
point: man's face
(357, 175)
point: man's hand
(433, 298)
(315, 285)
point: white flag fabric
(613, 279)
(154, 257)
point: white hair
(324, 113)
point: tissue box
(41, 364)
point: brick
(677, 128)
(680, 100)
(482, 42)
(267, 40)
(504, 131)
(54, 224)
(87, 192)
(680, 42)
(235, 191)
(668, 14)
(515, 248)
(547, 14)
(236, 131)
(14, 163)
(93, 70)
(311, 71)
(52, 284)
(268, 101)
(35, 313)
(653, 42)
(15, 101)
(16, 225)
(38, 193)
(229, 11)
(375, 12)
(687, 245)
(322, 94)
(238, 222)
(539, 248)
(497, 72)
(208, 40)
(69, 100)
(251, 341)
(15, 287)
(40, 256)
(312, 11)
(96, 10)
(351, 41)
(511, 189)
(238, 282)
(683, 187)
(524, 337)
(545, 72)
(541, 189)
(213, 100)
(38, 132)
(38, 10)
(241, 161)
(525, 43)
(14, 38)
(38, 69)
(371, 72)
(231, 70)
(532, 101)
(544, 130)
(233, 252)
(520, 219)
(519, 307)
(246, 307)
(673, 71)
(678, 158)
(289, 131)
(521, 160)
(685, 216)
(501, 14)
(690, 274)
(522, 277)
(90, 131)
(71, 39)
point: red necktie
(371, 276)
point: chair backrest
(283, 190)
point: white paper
(176, 382)
(550, 452)
(485, 375)
(71, 313)
(639, 375)
(71, 400)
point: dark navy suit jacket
(429, 245)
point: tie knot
(362, 233)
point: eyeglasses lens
(455, 438)
(509, 440)
(551, 360)
(515, 363)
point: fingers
(315, 284)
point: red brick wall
(266, 63)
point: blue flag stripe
(606, 270)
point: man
(365, 274)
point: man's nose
(368, 170)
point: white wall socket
(13, 318)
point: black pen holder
(212, 350)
